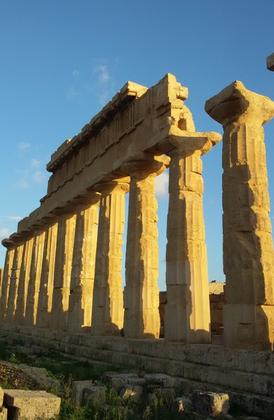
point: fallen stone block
(120, 380)
(133, 393)
(78, 388)
(3, 413)
(31, 405)
(183, 405)
(95, 394)
(210, 403)
(160, 379)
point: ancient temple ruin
(62, 280)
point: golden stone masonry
(62, 280)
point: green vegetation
(67, 370)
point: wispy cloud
(103, 73)
(103, 82)
(4, 233)
(23, 184)
(14, 218)
(38, 177)
(24, 145)
(34, 175)
(35, 163)
(161, 185)
(72, 93)
(75, 73)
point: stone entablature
(63, 269)
(136, 120)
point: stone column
(14, 280)
(83, 267)
(23, 283)
(141, 293)
(187, 316)
(107, 308)
(1, 280)
(35, 279)
(47, 277)
(248, 247)
(62, 272)
(6, 283)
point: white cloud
(102, 72)
(35, 163)
(31, 176)
(38, 177)
(161, 185)
(72, 93)
(103, 82)
(23, 184)
(75, 73)
(14, 218)
(24, 145)
(4, 233)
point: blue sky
(61, 60)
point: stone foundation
(212, 365)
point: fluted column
(1, 280)
(83, 267)
(187, 316)
(47, 277)
(14, 280)
(6, 283)
(141, 293)
(62, 272)
(24, 283)
(107, 308)
(248, 246)
(35, 279)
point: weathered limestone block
(78, 388)
(160, 379)
(132, 393)
(107, 308)
(83, 267)
(187, 316)
(62, 272)
(270, 62)
(95, 394)
(31, 405)
(210, 403)
(35, 279)
(24, 283)
(119, 380)
(6, 283)
(141, 293)
(47, 277)
(248, 247)
(14, 280)
(3, 413)
(183, 405)
(1, 396)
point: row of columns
(69, 276)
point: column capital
(146, 164)
(109, 186)
(187, 142)
(236, 103)
(270, 62)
